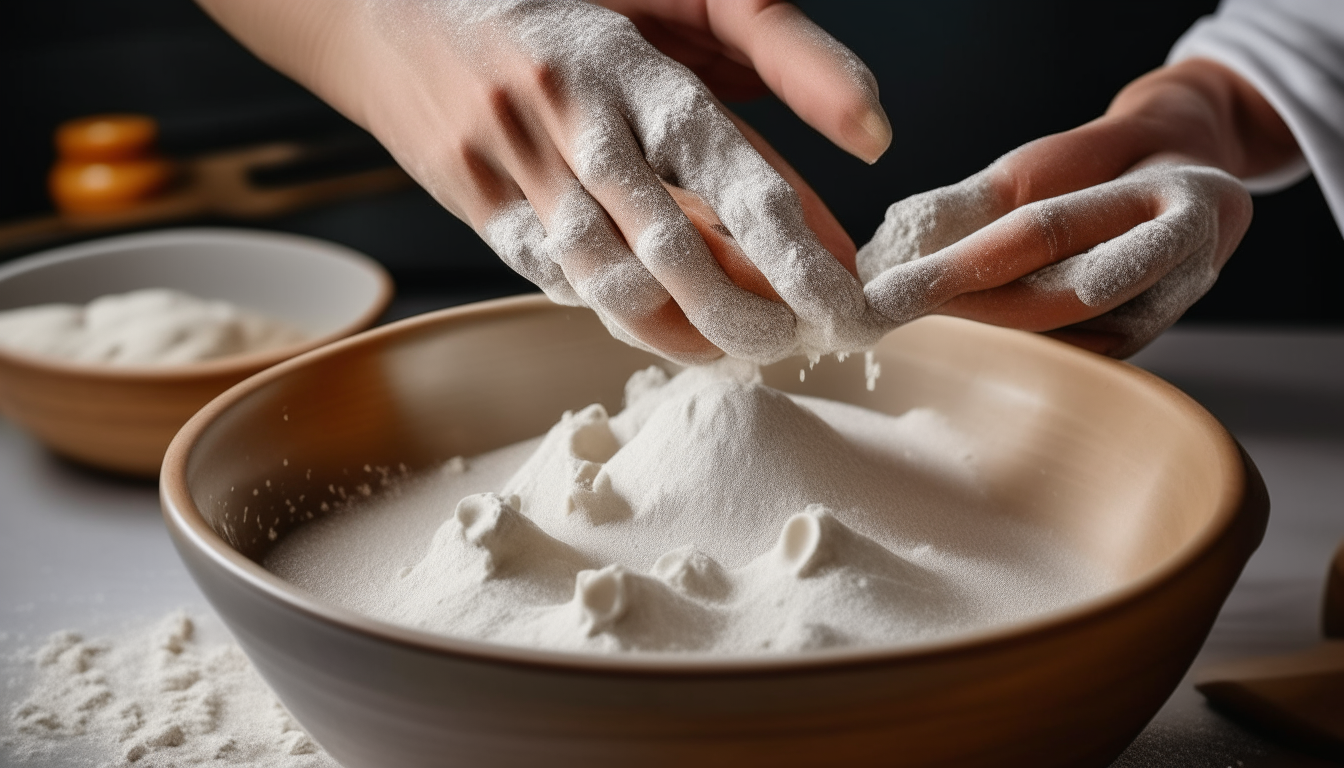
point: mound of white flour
(712, 515)
(150, 327)
(155, 697)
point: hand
(1107, 268)
(1101, 236)
(743, 48)
(551, 127)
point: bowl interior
(318, 286)
(1116, 463)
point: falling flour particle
(150, 327)
(871, 370)
(156, 697)
(712, 515)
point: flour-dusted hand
(1107, 267)
(1101, 236)
(551, 127)
(1141, 281)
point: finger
(682, 40)
(1126, 329)
(728, 80)
(721, 244)
(690, 142)
(1090, 283)
(1019, 305)
(1131, 326)
(1086, 156)
(818, 216)
(509, 225)
(923, 224)
(499, 210)
(1016, 245)
(1117, 270)
(1176, 255)
(611, 166)
(1111, 273)
(1049, 167)
(725, 248)
(516, 235)
(581, 240)
(1100, 342)
(597, 262)
(821, 80)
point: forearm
(311, 41)
(1197, 110)
(1205, 111)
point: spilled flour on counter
(150, 327)
(712, 515)
(156, 697)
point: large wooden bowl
(122, 419)
(1121, 465)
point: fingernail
(875, 125)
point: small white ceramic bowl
(1113, 461)
(122, 419)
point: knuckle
(761, 210)
(618, 27)
(464, 153)
(1003, 185)
(622, 287)
(580, 230)
(576, 235)
(544, 77)
(683, 101)
(499, 100)
(692, 100)
(514, 232)
(602, 155)
(1048, 221)
(668, 243)
(774, 197)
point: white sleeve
(1292, 51)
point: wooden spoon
(1298, 698)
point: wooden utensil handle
(1332, 613)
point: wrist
(1206, 112)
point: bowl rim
(1241, 500)
(229, 364)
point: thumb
(822, 81)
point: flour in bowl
(713, 514)
(151, 327)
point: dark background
(963, 81)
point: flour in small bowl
(153, 327)
(713, 515)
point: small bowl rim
(189, 528)
(228, 364)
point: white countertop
(80, 550)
